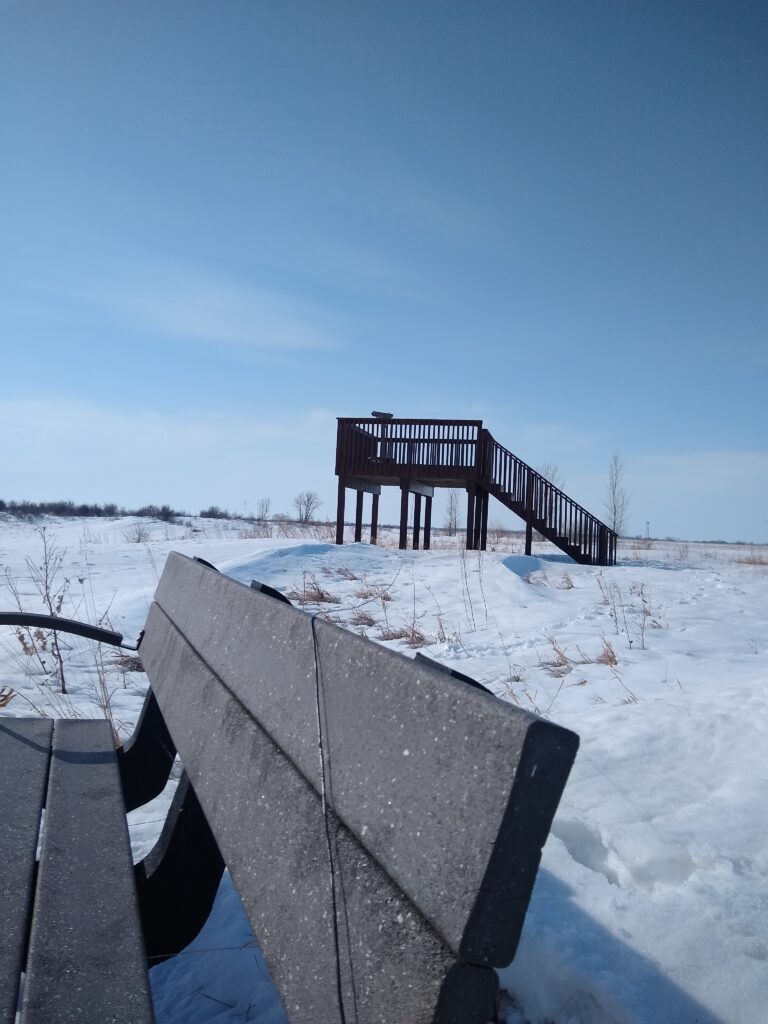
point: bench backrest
(382, 822)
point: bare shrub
(452, 513)
(137, 533)
(306, 504)
(42, 648)
(43, 645)
(616, 500)
(552, 474)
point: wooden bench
(382, 820)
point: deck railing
(399, 447)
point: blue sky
(226, 223)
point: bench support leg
(178, 879)
(147, 758)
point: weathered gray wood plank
(86, 959)
(25, 746)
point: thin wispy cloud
(208, 308)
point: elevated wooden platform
(419, 455)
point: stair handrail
(540, 476)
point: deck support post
(484, 521)
(478, 516)
(471, 517)
(374, 518)
(359, 518)
(529, 511)
(602, 547)
(427, 522)
(340, 511)
(403, 515)
(416, 521)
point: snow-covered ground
(651, 904)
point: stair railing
(551, 510)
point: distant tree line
(71, 509)
(306, 504)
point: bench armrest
(30, 620)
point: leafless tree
(306, 504)
(452, 513)
(616, 501)
(552, 473)
(263, 506)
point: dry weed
(362, 618)
(559, 664)
(753, 558)
(255, 531)
(346, 573)
(412, 635)
(607, 655)
(373, 591)
(311, 592)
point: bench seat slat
(25, 746)
(86, 956)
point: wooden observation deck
(419, 455)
